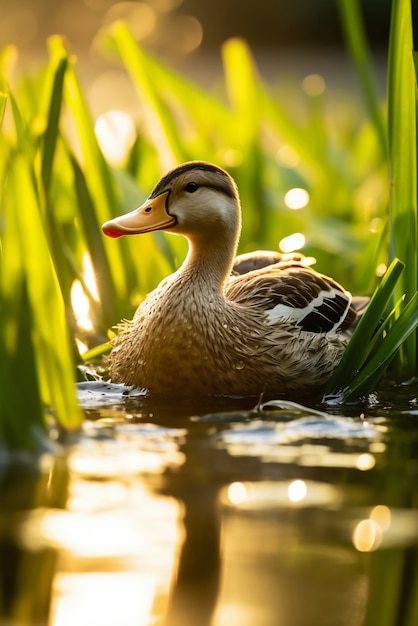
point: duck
(260, 323)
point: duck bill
(152, 215)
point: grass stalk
(402, 135)
(357, 44)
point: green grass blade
(242, 84)
(21, 407)
(3, 102)
(359, 347)
(96, 352)
(353, 27)
(162, 126)
(108, 309)
(376, 367)
(402, 107)
(56, 72)
(98, 177)
(55, 368)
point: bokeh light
(366, 461)
(293, 242)
(237, 493)
(297, 490)
(313, 85)
(140, 16)
(296, 198)
(115, 131)
(367, 536)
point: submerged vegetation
(336, 183)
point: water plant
(396, 338)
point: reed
(375, 346)
(36, 359)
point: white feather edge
(285, 312)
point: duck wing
(259, 259)
(300, 295)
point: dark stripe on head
(167, 181)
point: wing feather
(312, 301)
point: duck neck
(210, 259)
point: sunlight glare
(296, 198)
(293, 242)
(237, 492)
(89, 276)
(116, 564)
(105, 598)
(79, 300)
(81, 346)
(297, 491)
(365, 462)
(115, 132)
(81, 306)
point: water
(221, 511)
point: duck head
(196, 199)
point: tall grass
(36, 358)
(57, 189)
(402, 138)
(397, 339)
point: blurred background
(301, 36)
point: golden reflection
(237, 492)
(296, 198)
(115, 132)
(104, 599)
(118, 547)
(113, 460)
(382, 516)
(365, 462)
(297, 491)
(267, 495)
(293, 242)
(367, 536)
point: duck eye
(191, 187)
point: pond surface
(220, 513)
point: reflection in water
(367, 536)
(278, 518)
(297, 490)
